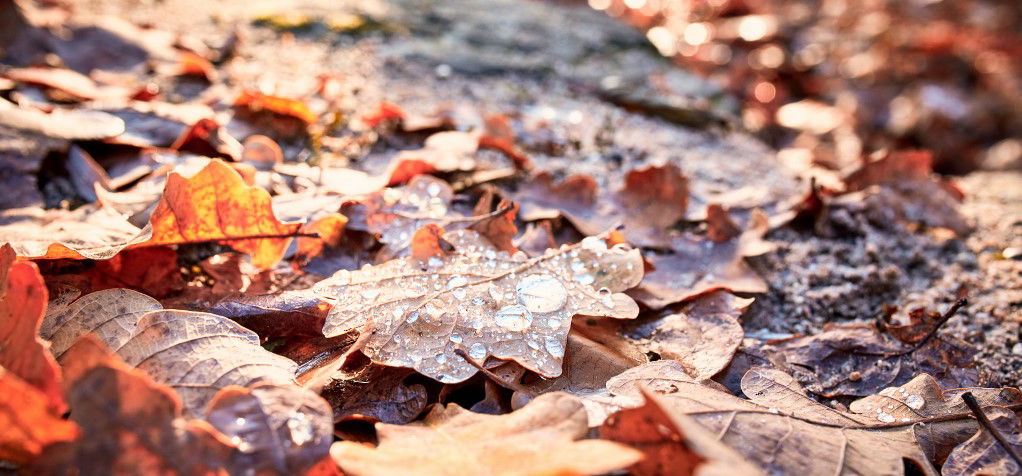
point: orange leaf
(329, 228)
(216, 205)
(386, 112)
(27, 420)
(22, 305)
(428, 242)
(256, 101)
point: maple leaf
(195, 353)
(417, 313)
(540, 438)
(22, 305)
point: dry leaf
(67, 124)
(376, 393)
(256, 102)
(672, 443)
(28, 422)
(130, 425)
(195, 353)
(23, 298)
(982, 454)
(67, 81)
(541, 438)
(481, 300)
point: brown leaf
(67, 81)
(698, 265)
(284, 429)
(482, 300)
(23, 298)
(649, 202)
(194, 353)
(428, 242)
(129, 423)
(588, 365)
(375, 393)
(500, 229)
(982, 454)
(151, 270)
(68, 124)
(541, 438)
(28, 422)
(900, 166)
(278, 314)
(672, 443)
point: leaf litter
(150, 282)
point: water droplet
(433, 189)
(885, 417)
(555, 347)
(541, 293)
(585, 279)
(412, 317)
(441, 359)
(496, 293)
(915, 402)
(456, 282)
(456, 338)
(594, 244)
(773, 410)
(397, 312)
(242, 445)
(533, 345)
(434, 262)
(301, 428)
(239, 421)
(490, 254)
(554, 323)
(514, 317)
(578, 267)
(606, 297)
(370, 293)
(460, 293)
(477, 351)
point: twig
(973, 405)
(929, 335)
(492, 376)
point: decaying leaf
(698, 265)
(28, 422)
(194, 353)
(284, 429)
(540, 438)
(649, 202)
(416, 314)
(672, 443)
(982, 454)
(129, 423)
(376, 393)
(23, 298)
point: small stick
(492, 376)
(936, 327)
(973, 405)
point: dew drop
(434, 262)
(885, 417)
(554, 323)
(533, 345)
(477, 351)
(433, 189)
(239, 421)
(514, 317)
(541, 293)
(496, 293)
(585, 279)
(301, 428)
(578, 267)
(456, 282)
(594, 244)
(490, 254)
(412, 317)
(441, 359)
(460, 293)
(456, 338)
(370, 293)
(242, 445)
(606, 297)
(915, 402)
(555, 347)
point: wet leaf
(111, 315)
(284, 429)
(541, 438)
(415, 314)
(128, 423)
(375, 393)
(28, 422)
(23, 298)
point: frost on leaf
(417, 313)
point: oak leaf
(541, 438)
(982, 454)
(482, 301)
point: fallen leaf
(650, 201)
(894, 167)
(541, 438)
(329, 229)
(28, 422)
(277, 314)
(982, 454)
(482, 300)
(257, 102)
(672, 443)
(283, 429)
(216, 205)
(375, 393)
(697, 265)
(61, 123)
(195, 353)
(129, 423)
(23, 298)
(151, 270)
(500, 229)
(65, 80)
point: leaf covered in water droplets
(418, 313)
